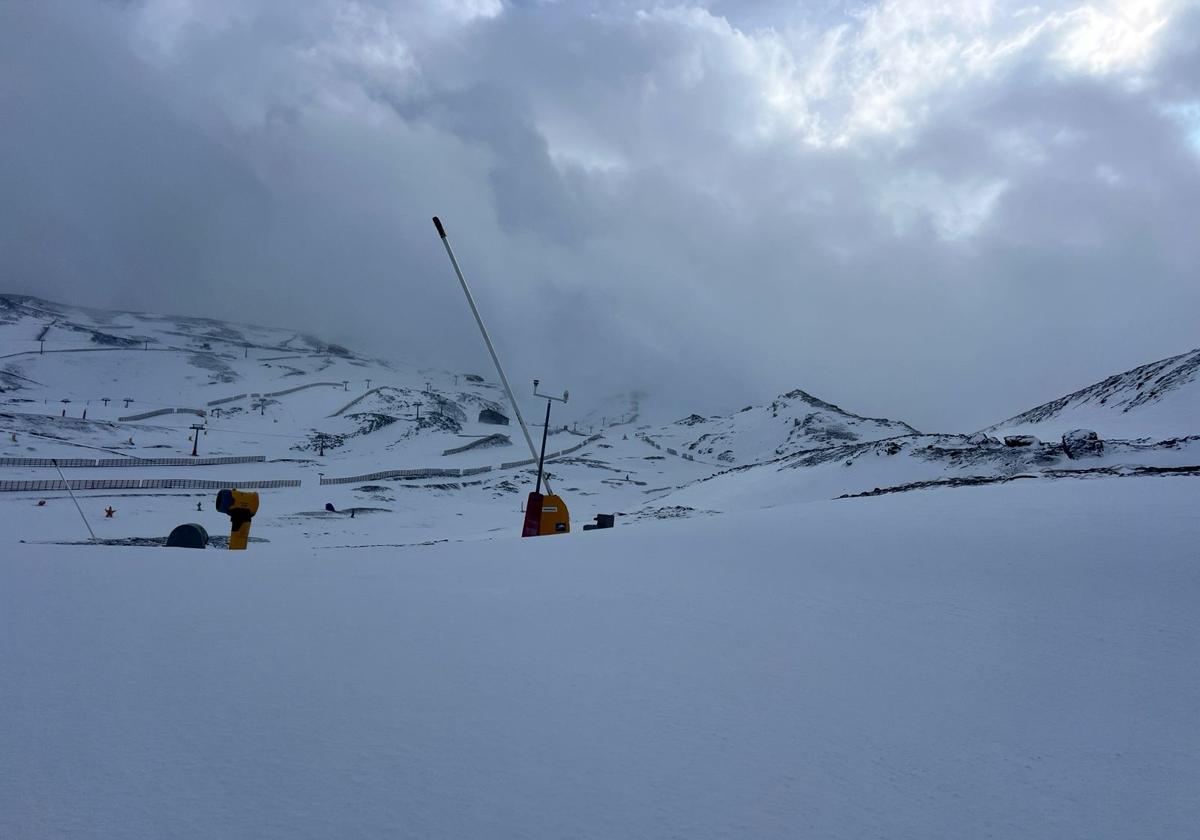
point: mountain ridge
(1157, 399)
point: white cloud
(858, 203)
(1111, 38)
(955, 210)
(880, 70)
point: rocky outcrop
(1082, 443)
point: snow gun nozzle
(437, 223)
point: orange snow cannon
(545, 515)
(240, 507)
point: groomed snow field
(1017, 661)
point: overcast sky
(943, 213)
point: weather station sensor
(560, 523)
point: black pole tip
(437, 223)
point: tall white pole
(488, 341)
(67, 484)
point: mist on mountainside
(705, 207)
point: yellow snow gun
(240, 507)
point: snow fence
(302, 387)
(224, 400)
(668, 449)
(360, 398)
(486, 440)
(284, 392)
(199, 412)
(438, 472)
(141, 484)
(132, 462)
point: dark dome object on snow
(190, 535)
(492, 417)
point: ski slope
(1016, 661)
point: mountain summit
(790, 423)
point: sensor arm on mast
(437, 223)
(562, 399)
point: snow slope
(792, 422)
(859, 468)
(1015, 661)
(259, 390)
(316, 412)
(1160, 400)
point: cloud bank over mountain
(928, 212)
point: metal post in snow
(487, 340)
(546, 428)
(196, 429)
(542, 456)
(67, 484)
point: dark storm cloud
(717, 204)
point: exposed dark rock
(976, 480)
(371, 421)
(1082, 443)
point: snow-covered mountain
(1159, 400)
(792, 422)
(428, 452)
(276, 391)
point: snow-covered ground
(742, 656)
(1020, 661)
